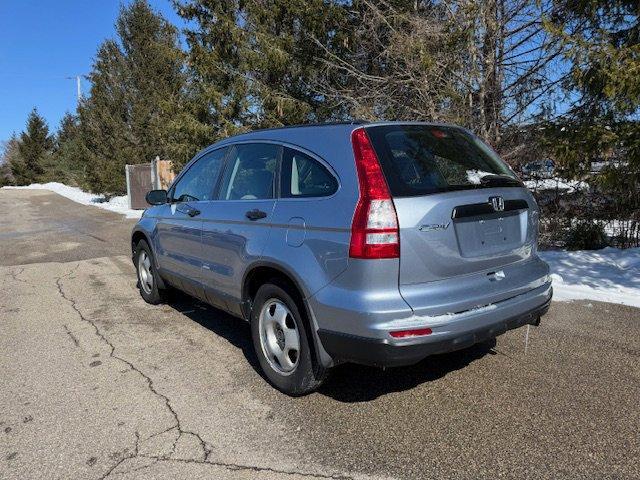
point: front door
(179, 234)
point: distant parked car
(599, 165)
(539, 168)
(377, 243)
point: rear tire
(148, 279)
(281, 339)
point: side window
(302, 176)
(199, 181)
(250, 172)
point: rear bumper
(389, 352)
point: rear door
(236, 226)
(309, 235)
(464, 217)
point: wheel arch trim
(140, 234)
(319, 353)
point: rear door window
(423, 159)
(251, 172)
(304, 176)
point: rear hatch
(467, 224)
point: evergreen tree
(35, 148)
(103, 122)
(136, 96)
(6, 177)
(67, 131)
(603, 123)
(218, 87)
(67, 164)
(257, 64)
(290, 39)
(9, 158)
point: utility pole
(78, 86)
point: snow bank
(565, 186)
(115, 204)
(609, 275)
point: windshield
(422, 159)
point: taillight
(374, 230)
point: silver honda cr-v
(374, 243)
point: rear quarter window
(303, 176)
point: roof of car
(311, 125)
(267, 132)
(279, 133)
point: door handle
(192, 212)
(255, 214)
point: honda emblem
(497, 203)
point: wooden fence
(143, 177)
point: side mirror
(156, 197)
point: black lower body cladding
(388, 353)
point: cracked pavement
(97, 384)
(110, 393)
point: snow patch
(115, 204)
(556, 183)
(417, 321)
(475, 176)
(609, 275)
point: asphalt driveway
(95, 383)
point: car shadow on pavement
(347, 383)
(350, 383)
(236, 331)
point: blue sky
(44, 41)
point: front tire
(148, 279)
(281, 342)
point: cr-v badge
(432, 227)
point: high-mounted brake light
(374, 230)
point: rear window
(422, 159)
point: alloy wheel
(279, 336)
(144, 272)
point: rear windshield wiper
(500, 181)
